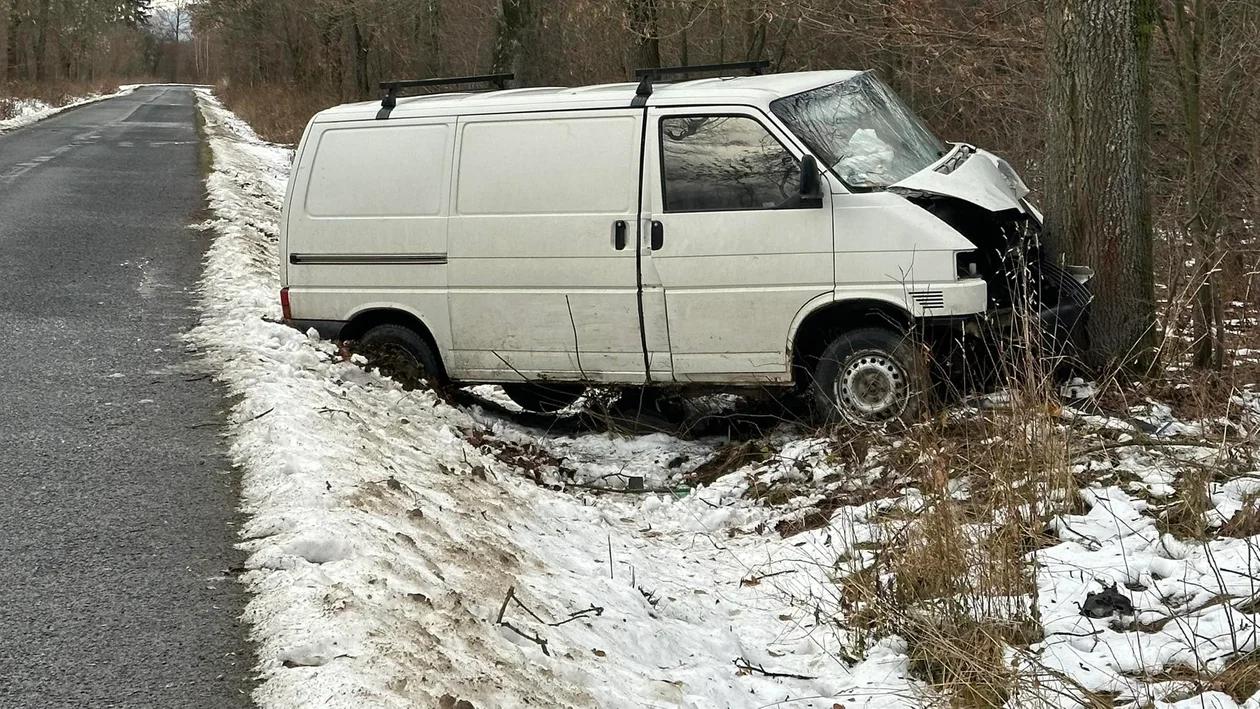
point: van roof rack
(647, 75)
(754, 67)
(392, 88)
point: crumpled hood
(982, 178)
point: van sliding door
(542, 267)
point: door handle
(658, 235)
(619, 234)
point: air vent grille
(929, 298)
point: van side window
(724, 163)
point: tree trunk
(513, 30)
(4, 40)
(1098, 211)
(433, 43)
(41, 42)
(645, 24)
(756, 44)
(354, 84)
(1202, 181)
(13, 45)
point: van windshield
(862, 130)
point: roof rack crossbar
(754, 67)
(392, 88)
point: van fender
(441, 335)
(842, 296)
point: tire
(871, 375)
(544, 397)
(402, 355)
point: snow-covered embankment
(383, 543)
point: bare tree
(41, 40)
(645, 24)
(1098, 210)
(173, 26)
(1209, 44)
(515, 26)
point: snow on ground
(385, 529)
(383, 544)
(28, 110)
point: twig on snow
(542, 642)
(207, 424)
(754, 580)
(255, 418)
(627, 491)
(511, 596)
(506, 600)
(578, 615)
(746, 666)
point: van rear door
(542, 263)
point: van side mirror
(811, 181)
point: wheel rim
(872, 386)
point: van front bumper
(327, 329)
(972, 348)
(1063, 323)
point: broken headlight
(968, 264)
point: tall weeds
(954, 573)
(53, 93)
(277, 112)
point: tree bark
(513, 29)
(12, 52)
(41, 42)
(1098, 210)
(645, 24)
(1202, 180)
(354, 83)
(4, 40)
(433, 38)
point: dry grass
(956, 578)
(730, 458)
(277, 112)
(1185, 516)
(1245, 522)
(54, 93)
(1240, 678)
(967, 661)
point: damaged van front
(895, 171)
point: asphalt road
(117, 504)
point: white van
(754, 231)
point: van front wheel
(870, 375)
(400, 354)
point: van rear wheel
(544, 397)
(401, 354)
(871, 375)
